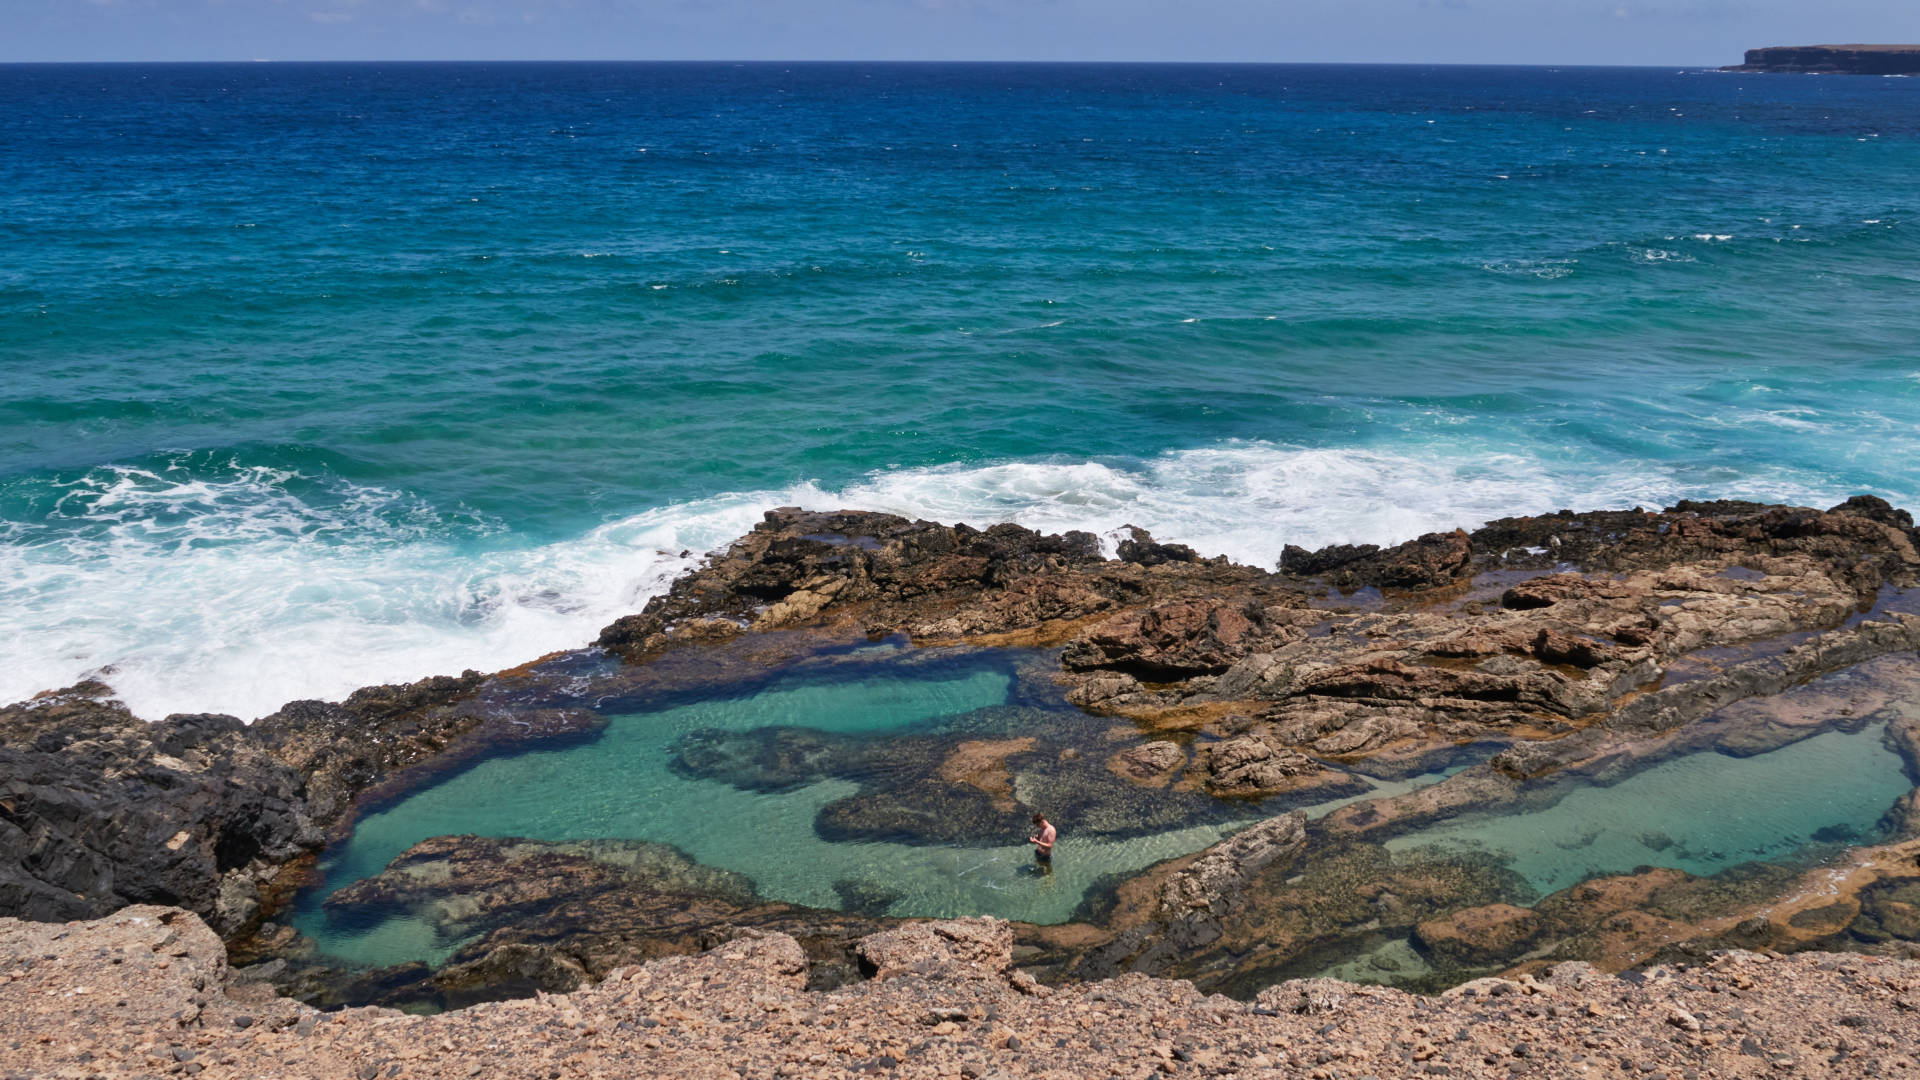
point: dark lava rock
(343, 749)
(100, 809)
(553, 917)
(801, 568)
(1432, 560)
(797, 563)
(1140, 547)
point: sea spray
(314, 376)
(235, 588)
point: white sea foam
(240, 593)
(1544, 269)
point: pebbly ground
(146, 992)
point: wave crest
(222, 586)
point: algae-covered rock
(1480, 937)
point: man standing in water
(1042, 841)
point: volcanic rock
(99, 809)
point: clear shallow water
(622, 785)
(317, 376)
(1701, 813)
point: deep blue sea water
(319, 375)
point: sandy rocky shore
(1539, 653)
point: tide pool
(1701, 813)
(624, 784)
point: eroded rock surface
(99, 809)
(1569, 646)
(530, 915)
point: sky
(1651, 32)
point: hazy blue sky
(1678, 32)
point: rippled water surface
(318, 376)
(1702, 813)
(624, 784)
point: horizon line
(738, 61)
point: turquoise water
(1701, 813)
(623, 785)
(318, 376)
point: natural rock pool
(1701, 813)
(822, 789)
(898, 781)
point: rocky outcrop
(1218, 878)
(801, 568)
(1176, 640)
(741, 1009)
(1187, 910)
(1834, 59)
(99, 809)
(1248, 766)
(534, 916)
(1574, 646)
(1433, 560)
(956, 948)
(382, 738)
(1498, 640)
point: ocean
(324, 375)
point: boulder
(975, 947)
(1247, 765)
(1150, 760)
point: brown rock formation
(1575, 646)
(1475, 937)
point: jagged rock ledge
(147, 992)
(1539, 646)
(1833, 60)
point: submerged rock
(1480, 937)
(528, 915)
(1575, 645)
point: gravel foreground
(147, 992)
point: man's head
(1039, 819)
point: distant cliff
(1835, 59)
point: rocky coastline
(1527, 658)
(1833, 60)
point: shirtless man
(1042, 840)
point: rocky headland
(1525, 659)
(1834, 60)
